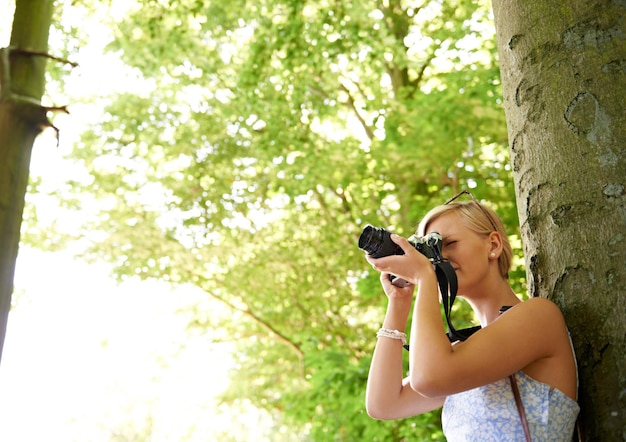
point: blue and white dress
(489, 413)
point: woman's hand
(412, 266)
(388, 396)
(396, 292)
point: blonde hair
(478, 218)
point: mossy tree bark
(22, 81)
(563, 67)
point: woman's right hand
(388, 396)
(395, 292)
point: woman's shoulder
(535, 317)
(545, 327)
(541, 308)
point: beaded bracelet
(393, 334)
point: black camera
(377, 243)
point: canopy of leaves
(267, 134)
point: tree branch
(261, 322)
(352, 104)
(26, 107)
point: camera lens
(377, 242)
(370, 239)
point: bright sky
(84, 358)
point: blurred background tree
(263, 138)
(22, 118)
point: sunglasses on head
(482, 209)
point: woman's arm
(532, 333)
(389, 396)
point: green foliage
(332, 403)
(266, 135)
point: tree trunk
(563, 67)
(22, 82)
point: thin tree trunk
(563, 67)
(22, 82)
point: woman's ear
(495, 245)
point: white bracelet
(393, 334)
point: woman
(470, 379)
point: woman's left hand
(412, 266)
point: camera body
(377, 243)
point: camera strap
(448, 285)
(446, 277)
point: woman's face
(467, 251)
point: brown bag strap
(520, 407)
